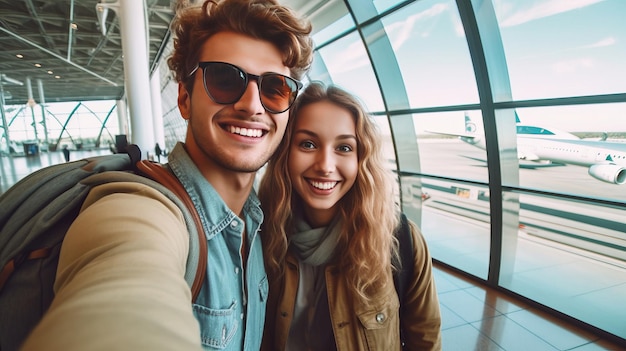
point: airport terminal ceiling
(62, 44)
(76, 61)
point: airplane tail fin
(471, 131)
(470, 127)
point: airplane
(548, 147)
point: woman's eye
(345, 148)
(307, 145)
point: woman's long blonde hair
(368, 210)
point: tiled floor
(475, 317)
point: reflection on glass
(578, 150)
(563, 48)
(455, 222)
(343, 24)
(384, 5)
(451, 144)
(350, 68)
(431, 49)
(385, 131)
(571, 256)
(387, 149)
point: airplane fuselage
(576, 152)
(606, 161)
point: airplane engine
(610, 173)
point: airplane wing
(523, 163)
(534, 165)
(466, 135)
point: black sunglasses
(225, 84)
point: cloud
(569, 66)
(399, 32)
(347, 60)
(544, 9)
(405, 27)
(602, 43)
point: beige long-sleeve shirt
(120, 280)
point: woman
(328, 237)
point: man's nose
(250, 101)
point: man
(120, 281)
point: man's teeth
(324, 185)
(255, 133)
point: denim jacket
(230, 318)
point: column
(42, 102)
(31, 103)
(157, 111)
(122, 117)
(133, 28)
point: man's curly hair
(261, 19)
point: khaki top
(120, 280)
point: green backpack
(35, 214)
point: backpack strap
(198, 246)
(134, 152)
(404, 272)
(405, 246)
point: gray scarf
(315, 246)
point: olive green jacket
(357, 326)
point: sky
(553, 49)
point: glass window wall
(569, 255)
(349, 67)
(431, 50)
(563, 48)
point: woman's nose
(325, 162)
